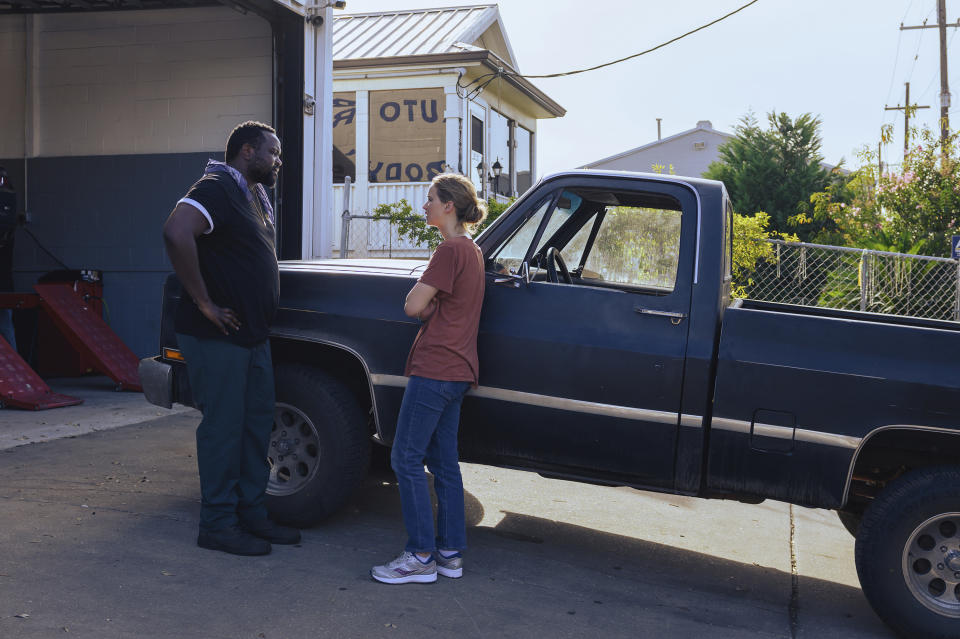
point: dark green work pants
(233, 387)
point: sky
(841, 60)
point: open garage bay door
(114, 107)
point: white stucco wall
(135, 82)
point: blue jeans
(233, 387)
(427, 432)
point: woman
(441, 366)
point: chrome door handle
(675, 318)
(512, 281)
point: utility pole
(944, 85)
(907, 110)
(879, 162)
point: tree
(774, 169)
(915, 210)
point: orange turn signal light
(172, 353)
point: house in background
(687, 153)
(421, 92)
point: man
(221, 241)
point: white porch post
(318, 206)
(452, 118)
(361, 203)
(512, 144)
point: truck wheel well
(893, 452)
(336, 362)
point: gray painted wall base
(105, 213)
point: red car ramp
(90, 335)
(22, 388)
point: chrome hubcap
(294, 452)
(931, 564)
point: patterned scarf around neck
(216, 165)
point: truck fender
(290, 347)
(895, 448)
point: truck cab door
(582, 376)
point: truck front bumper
(165, 383)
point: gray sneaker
(407, 568)
(451, 566)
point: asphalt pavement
(99, 508)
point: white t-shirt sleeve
(203, 211)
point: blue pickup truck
(612, 352)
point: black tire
(319, 448)
(908, 554)
(850, 521)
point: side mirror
(525, 272)
(512, 280)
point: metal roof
(386, 34)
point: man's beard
(265, 175)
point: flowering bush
(913, 211)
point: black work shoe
(274, 533)
(234, 541)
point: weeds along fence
(857, 279)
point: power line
(896, 56)
(916, 54)
(896, 60)
(637, 55)
(944, 79)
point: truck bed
(799, 390)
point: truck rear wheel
(908, 553)
(319, 448)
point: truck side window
(636, 245)
(567, 204)
(510, 255)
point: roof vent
(704, 124)
(699, 146)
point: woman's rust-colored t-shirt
(446, 346)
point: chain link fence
(365, 236)
(858, 279)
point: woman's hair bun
(456, 188)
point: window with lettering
(406, 135)
(344, 136)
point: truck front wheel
(908, 553)
(319, 448)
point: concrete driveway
(98, 540)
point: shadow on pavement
(99, 532)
